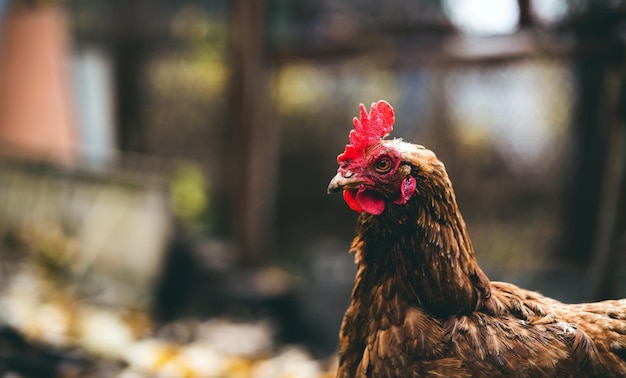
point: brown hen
(421, 305)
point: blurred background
(163, 167)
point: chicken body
(530, 336)
(421, 305)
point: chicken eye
(383, 165)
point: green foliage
(188, 191)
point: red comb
(368, 130)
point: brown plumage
(421, 305)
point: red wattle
(350, 199)
(364, 200)
(369, 202)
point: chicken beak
(340, 181)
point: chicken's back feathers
(421, 305)
(529, 335)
